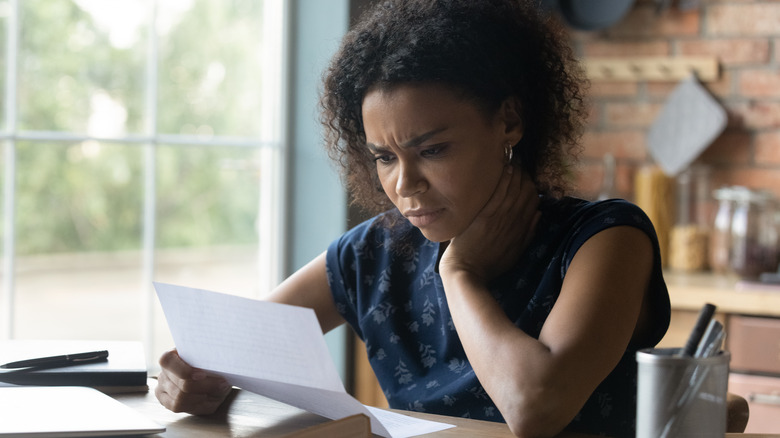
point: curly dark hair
(485, 50)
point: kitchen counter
(690, 291)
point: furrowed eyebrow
(373, 148)
(416, 141)
(420, 139)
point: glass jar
(720, 235)
(754, 237)
(689, 239)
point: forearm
(540, 385)
(523, 377)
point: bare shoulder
(602, 297)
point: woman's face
(438, 157)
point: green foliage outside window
(77, 75)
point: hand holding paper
(271, 349)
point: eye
(383, 158)
(432, 151)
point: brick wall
(745, 37)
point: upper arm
(308, 287)
(600, 303)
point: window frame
(272, 148)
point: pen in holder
(682, 391)
(681, 396)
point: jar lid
(729, 193)
(744, 194)
(753, 196)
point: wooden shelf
(636, 69)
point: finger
(185, 378)
(211, 385)
(500, 193)
(521, 184)
(527, 237)
(164, 395)
(167, 393)
(180, 373)
(522, 212)
(525, 191)
(521, 199)
(201, 405)
(198, 403)
(175, 373)
(174, 364)
(530, 217)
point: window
(142, 142)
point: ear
(512, 116)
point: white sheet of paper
(272, 349)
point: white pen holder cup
(681, 396)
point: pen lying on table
(59, 361)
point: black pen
(705, 315)
(63, 360)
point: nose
(410, 181)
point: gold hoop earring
(508, 152)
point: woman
(482, 291)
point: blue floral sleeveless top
(384, 283)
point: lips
(422, 218)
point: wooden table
(246, 414)
(250, 415)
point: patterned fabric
(384, 284)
